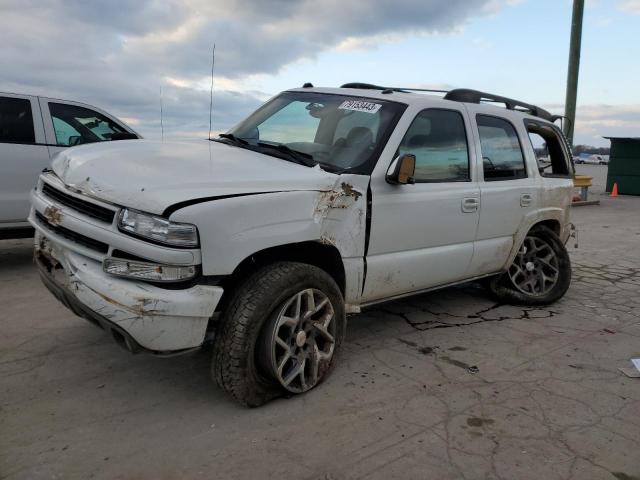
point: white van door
(23, 155)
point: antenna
(161, 123)
(213, 61)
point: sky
(118, 55)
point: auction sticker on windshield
(360, 106)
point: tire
(518, 285)
(242, 363)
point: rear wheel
(540, 273)
(280, 334)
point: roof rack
(368, 86)
(474, 96)
(467, 96)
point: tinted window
(502, 157)
(16, 121)
(438, 140)
(75, 125)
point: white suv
(32, 130)
(322, 202)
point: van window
(74, 125)
(16, 121)
(502, 157)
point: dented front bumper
(140, 316)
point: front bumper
(140, 316)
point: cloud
(596, 121)
(632, 6)
(116, 54)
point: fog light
(148, 271)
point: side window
(64, 131)
(502, 157)
(293, 123)
(438, 140)
(551, 153)
(16, 121)
(75, 125)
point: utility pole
(574, 67)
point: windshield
(339, 132)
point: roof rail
(467, 96)
(474, 96)
(363, 86)
(369, 86)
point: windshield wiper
(298, 157)
(232, 137)
(294, 155)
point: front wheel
(280, 334)
(540, 273)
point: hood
(151, 176)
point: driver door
(422, 234)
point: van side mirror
(402, 170)
(74, 140)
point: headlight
(148, 271)
(158, 229)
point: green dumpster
(624, 165)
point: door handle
(470, 204)
(526, 199)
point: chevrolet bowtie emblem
(53, 215)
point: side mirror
(402, 170)
(75, 140)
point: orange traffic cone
(614, 190)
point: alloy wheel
(301, 341)
(535, 270)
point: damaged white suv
(322, 202)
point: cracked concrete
(446, 385)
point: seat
(359, 137)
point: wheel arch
(551, 224)
(317, 253)
(550, 218)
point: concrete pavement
(447, 385)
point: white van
(32, 130)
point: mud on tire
(514, 286)
(239, 365)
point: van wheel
(540, 274)
(280, 333)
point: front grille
(73, 236)
(87, 208)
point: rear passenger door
(507, 189)
(23, 154)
